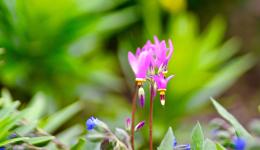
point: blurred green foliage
(67, 49)
(32, 128)
(59, 47)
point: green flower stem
(151, 119)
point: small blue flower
(12, 136)
(239, 144)
(174, 143)
(2, 148)
(91, 123)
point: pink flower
(148, 59)
(162, 53)
(140, 63)
(161, 81)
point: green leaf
(70, 134)
(6, 98)
(231, 119)
(7, 111)
(220, 147)
(9, 122)
(13, 141)
(59, 118)
(40, 140)
(209, 145)
(221, 81)
(213, 34)
(80, 144)
(167, 142)
(25, 129)
(95, 137)
(197, 138)
(36, 107)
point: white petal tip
(163, 102)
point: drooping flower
(140, 63)
(161, 83)
(91, 123)
(139, 125)
(128, 123)
(163, 54)
(239, 143)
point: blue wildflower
(239, 144)
(91, 123)
(12, 136)
(174, 143)
(2, 148)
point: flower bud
(141, 96)
(139, 125)
(128, 124)
(182, 147)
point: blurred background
(76, 50)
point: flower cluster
(151, 62)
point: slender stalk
(133, 117)
(151, 119)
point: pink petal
(170, 49)
(132, 61)
(169, 78)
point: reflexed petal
(143, 65)
(170, 77)
(170, 50)
(138, 51)
(132, 61)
